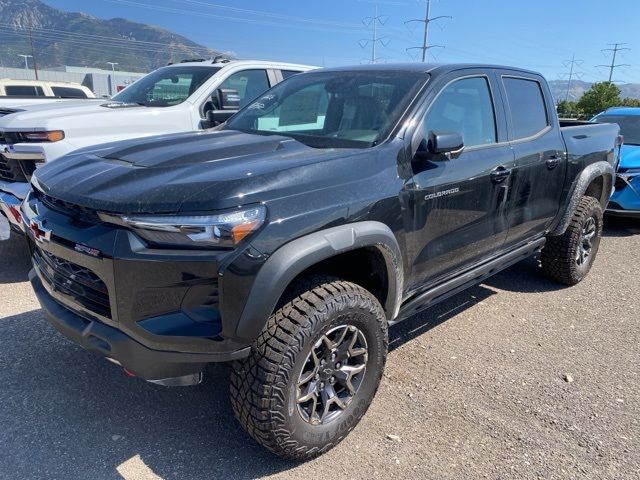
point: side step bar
(462, 282)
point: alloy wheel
(332, 374)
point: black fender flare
(296, 256)
(588, 175)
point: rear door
(458, 203)
(540, 160)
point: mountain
(578, 87)
(64, 38)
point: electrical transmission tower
(373, 22)
(426, 20)
(616, 48)
(571, 65)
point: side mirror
(439, 143)
(227, 99)
(213, 118)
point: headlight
(51, 136)
(220, 230)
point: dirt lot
(516, 378)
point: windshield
(629, 126)
(166, 86)
(332, 109)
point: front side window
(332, 109)
(166, 86)
(464, 106)
(249, 84)
(527, 106)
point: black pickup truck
(288, 240)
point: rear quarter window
(68, 92)
(527, 106)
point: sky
(540, 35)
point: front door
(459, 215)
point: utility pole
(373, 22)
(616, 48)
(33, 53)
(113, 80)
(425, 40)
(571, 64)
(26, 60)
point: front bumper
(10, 208)
(155, 312)
(117, 346)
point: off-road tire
(263, 386)
(559, 255)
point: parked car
(177, 98)
(289, 239)
(41, 88)
(19, 93)
(625, 201)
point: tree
(568, 109)
(630, 102)
(599, 97)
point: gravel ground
(515, 378)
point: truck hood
(57, 114)
(188, 172)
(630, 156)
(31, 103)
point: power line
(373, 23)
(571, 64)
(427, 20)
(615, 51)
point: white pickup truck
(181, 97)
(17, 95)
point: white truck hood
(27, 103)
(90, 122)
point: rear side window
(465, 106)
(288, 73)
(23, 91)
(68, 92)
(528, 109)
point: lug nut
(338, 365)
(333, 380)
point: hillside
(578, 87)
(65, 38)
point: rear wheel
(568, 258)
(313, 371)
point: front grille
(11, 170)
(77, 212)
(72, 280)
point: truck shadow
(621, 227)
(15, 262)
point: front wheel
(313, 371)
(567, 258)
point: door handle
(552, 162)
(499, 174)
